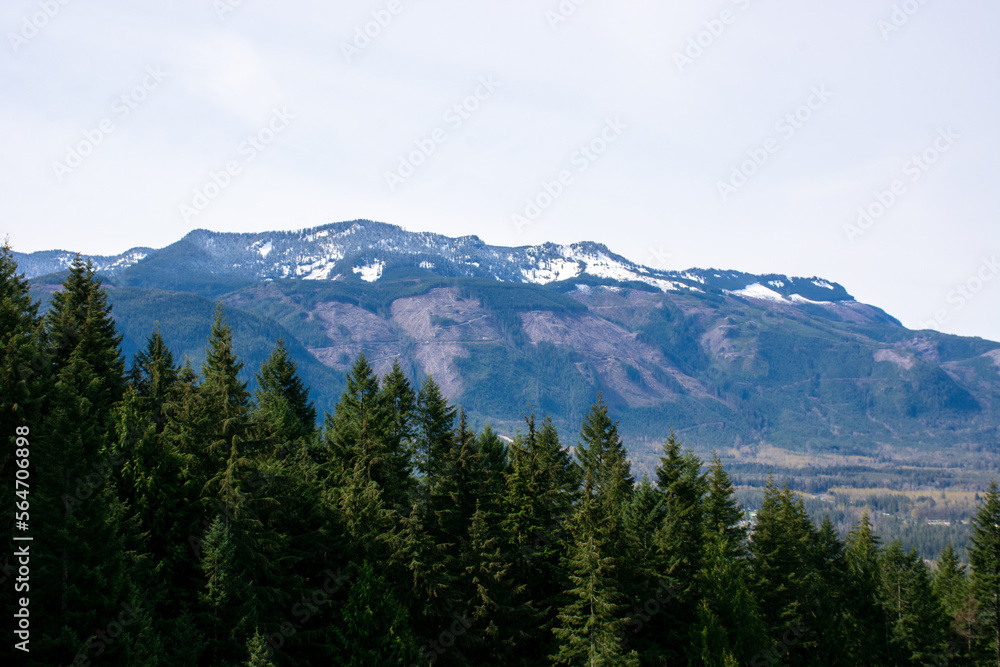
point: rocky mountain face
(770, 370)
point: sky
(857, 141)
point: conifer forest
(161, 514)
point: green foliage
(214, 527)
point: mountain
(777, 373)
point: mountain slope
(745, 363)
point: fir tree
(435, 423)
(374, 628)
(679, 540)
(21, 360)
(722, 512)
(786, 583)
(984, 557)
(916, 622)
(590, 625)
(952, 587)
(78, 549)
(154, 373)
(283, 408)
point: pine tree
(867, 637)
(916, 621)
(374, 628)
(729, 625)
(435, 423)
(590, 625)
(722, 512)
(400, 404)
(984, 557)
(541, 485)
(219, 428)
(259, 653)
(952, 587)
(22, 375)
(283, 409)
(21, 360)
(679, 541)
(833, 598)
(154, 373)
(784, 572)
(78, 548)
(79, 323)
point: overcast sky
(740, 134)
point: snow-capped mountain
(728, 358)
(367, 250)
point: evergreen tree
(435, 423)
(867, 636)
(79, 324)
(541, 484)
(916, 622)
(374, 628)
(78, 548)
(722, 512)
(400, 404)
(154, 373)
(729, 625)
(218, 429)
(832, 604)
(786, 582)
(984, 557)
(283, 409)
(952, 587)
(259, 653)
(21, 359)
(679, 541)
(590, 625)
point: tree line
(179, 520)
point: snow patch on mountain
(318, 270)
(370, 272)
(798, 298)
(758, 291)
(549, 271)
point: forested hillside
(776, 374)
(178, 519)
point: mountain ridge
(303, 254)
(749, 364)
